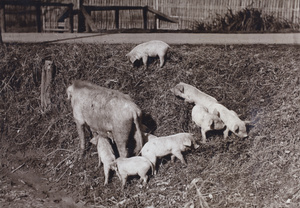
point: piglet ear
(216, 112)
(94, 141)
(180, 88)
(211, 123)
(187, 142)
(247, 122)
(236, 128)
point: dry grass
(260, 82)
(246, 20)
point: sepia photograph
(150, 103)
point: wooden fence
(186, 12)
(189, 11)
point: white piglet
(192, 95)
(105, 154)
(173, 144)
(152, 48)
(207, 121)
(136, 165)
(231, 120)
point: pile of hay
(260, 83)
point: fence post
(47, 73)
(145, 17)
(0, 37)
(38, 17)
(155, 22)
(71, 17)
(117, 14)
(2, 16)
(81, 21)
(87, 26)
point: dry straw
(260, 83)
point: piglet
(136, 165)
(207, 121)
(231, 120)
(162, 146)
(152, 48)
(191, 94)
(105, 154)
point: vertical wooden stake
(2, 17)
(155, 22)
(145, 17)
(81, 20)
(38, 18)
(117, 18)
(1, 42)
(71, 17)
(47, 73)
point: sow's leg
(79, 126)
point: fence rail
(186, 12)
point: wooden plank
(33, 3)
(64, 15)
(56, 30)
(87, 25)
(105, 8)
(88, 19)
(162, 16)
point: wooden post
(88, 19)
(145, 18)
(81, 22)
(71, 19)
(117, 14)
(1, 42)
(155, 22)
(87, 26)
(38, 17)
(2, 16)
(47, 73)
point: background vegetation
(246, 20)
